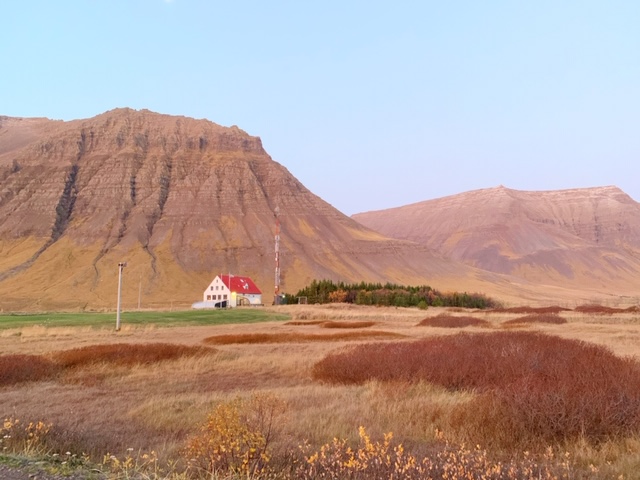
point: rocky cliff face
(180, 200)
(583, 238)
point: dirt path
(33, 473)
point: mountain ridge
(180, 200)
(585, 238)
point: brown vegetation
(537, 318)
(534, 388)
(303, 323)
(526, 309)
(125, 354)
(26, 368)
(600, 309)
(508, 391)
(296, 337)
(332, 324)
(451, 321)
(29, 368)
(362, 324)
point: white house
(230, 291)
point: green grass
(164, 319)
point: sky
(370, 104)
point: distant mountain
(585, 239)
(180, 200)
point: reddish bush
(537, 318)
(298, 323)
(125, 354)
(540, 310)
(599, 309)
(360, 324)
(534, 387)
(26, 368)
(451, 321)
(296, 337)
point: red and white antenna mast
(276, 300)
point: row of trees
(389, 294)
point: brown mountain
(180, 200)
(586, 239)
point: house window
(217, 287)
(208, 297)
(225, 296)
(211, 287)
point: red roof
(240, 284)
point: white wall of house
(217, 292)
(240, 299)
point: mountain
(585, 239)
(180, 200)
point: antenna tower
(276, 300)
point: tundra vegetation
(327, 391)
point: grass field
(161, 318)
(182, 390)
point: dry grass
(158, 405)
(451, 321)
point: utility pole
(121, 266)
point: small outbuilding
(230, 291)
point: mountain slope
(581, 238)
(180, 200)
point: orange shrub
(534, 387)
(537, 318)
(287, 337)
(360, 324)
(303, 323)
(599, 309)
(375, 460)
(125, 354)
(451, 321)
(26, 368)
(236, 437)
(551, 309)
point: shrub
(599, 309)
(360, 324)
(125, 354)
(452, 321)
(27, 438)
(533, 387)
(230, 339)
(382, 460)
(236, 437)
(26, 368)
(537, 318)
(525, 309)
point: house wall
(217, 291)
(253, 299)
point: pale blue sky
(370, 104)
